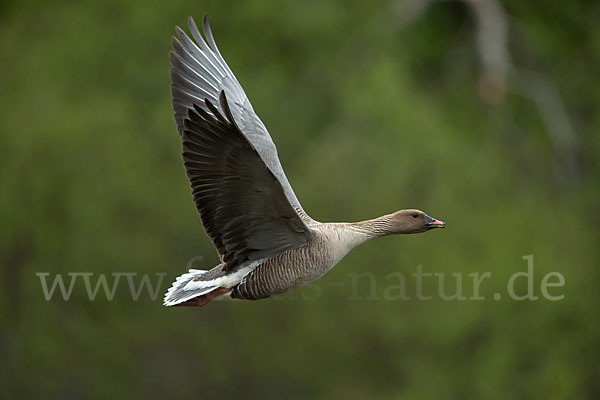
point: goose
(267, 243)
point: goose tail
(190, 285)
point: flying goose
(266, 242)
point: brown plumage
(266, 242)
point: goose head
(413, 221)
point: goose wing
(199, 72)
(241, 203)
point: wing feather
(199, 72)
(241, 203)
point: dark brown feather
(241, 203)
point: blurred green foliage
(369, 116)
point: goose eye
(415, 215)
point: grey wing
(241, 203)
(199, 72)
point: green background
(370, 114)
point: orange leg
(204, 299)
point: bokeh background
(483, 113)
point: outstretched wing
(242, 205)
(199, 72)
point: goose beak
(432, 223)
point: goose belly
(289, 270)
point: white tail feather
(181, 290)
(193, 283)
